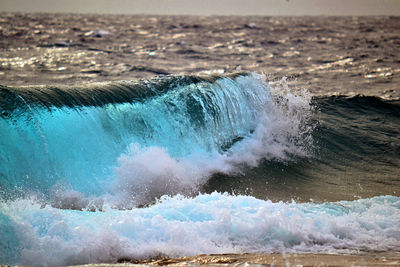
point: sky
(208, 7)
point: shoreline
(289, 259)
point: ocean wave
(166, 143)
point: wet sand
(381, 259)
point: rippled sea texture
(326, 55)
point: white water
(209, 223)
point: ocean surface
(185, 162)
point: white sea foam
(209, 223)
(148, 173)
